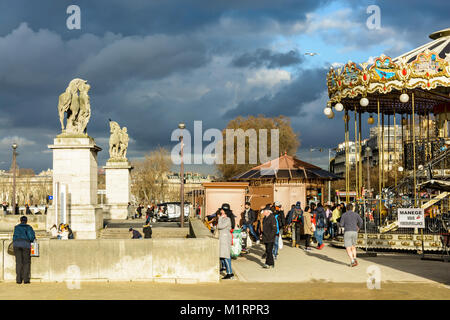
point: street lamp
(14, 147)
(368, 154)
(181, 126)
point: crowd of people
(271, 224)
(28, 209)
(151, 211)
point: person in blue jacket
(22, 239)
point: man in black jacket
(22, 238)
(248, 217)
(268, 235)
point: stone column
(118, 188)
(75, 165)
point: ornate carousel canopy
(425, 71)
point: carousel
(412, 92)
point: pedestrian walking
(149, 213)
(307, 227)
(297, 218)
(320, 219)
(269, 234)
(248, 217)
(130, 211)
(352, 223)
(5, 208)
(22, 238)
(224, 227)
(138, 214)
(281, 221)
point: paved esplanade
(332, 264)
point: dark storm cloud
(143, 17)
(306, 87)
(267, 58)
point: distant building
(193, 181)
(392, 146)
(30, 188)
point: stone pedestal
(118, 188)
(75, 166)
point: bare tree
(149, 177)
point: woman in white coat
(224, 227)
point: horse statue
(75, 103)
(114, 140)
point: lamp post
(14, 147)
(368, 153)
(181, 126)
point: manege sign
(411, 218)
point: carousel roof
(286, 167)
(440, 45)
(425, 71)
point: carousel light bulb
(404, 98)
(371, 120)
(364, 102)
(339, 107)
(400, 169)
(331, 116)
(420, 167)
(327, 111)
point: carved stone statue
(118, 141)
(75, 103)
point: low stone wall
(197, 229)
(8, 222)
(167, 260)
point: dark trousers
(23, 264)
(269, 253)
(297, 233)
(307, 240)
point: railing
(425, 151)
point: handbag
(11, 249)
(313, 227)
(34, 249)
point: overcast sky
(152, 64)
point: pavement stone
(331, 264)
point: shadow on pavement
(433, 270)
(254, 254)
(325, 258)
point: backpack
(320, 220)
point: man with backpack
(320, 218)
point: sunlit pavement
(331, 264)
